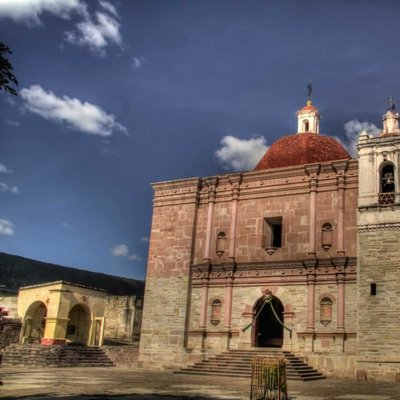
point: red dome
(302, 148)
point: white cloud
(6, 227)
(137, 62)
(352, 130)
(108, 7)
(6, 188)
(96, 35)
(4, 169)
(65, 224)
(30, 11)
(96, 31)
(134, 257)
(82, 116)
(145, 239)
(9, 100)
(241, 154)
(11, 122)
(122, 250)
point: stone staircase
(237, 363)
(54, 356)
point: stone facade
(310, 236)
(163, 334)
(378, 347)
(190, 215)
(123, 317)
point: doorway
(267, 331)
(78, 327)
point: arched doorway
(78, 327)
(34, 323)
(268, 332)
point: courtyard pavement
(136, 384)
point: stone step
(237, 363)
(55, 356)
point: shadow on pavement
(117, 397)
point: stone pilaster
(211, 184)
(340, 168)
(312, 171)
(235, 182)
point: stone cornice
(177, 192)
(378, 227)
(256, 184)
(280, 272)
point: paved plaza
(119, 383)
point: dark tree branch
(7, 78)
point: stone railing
(385, 199)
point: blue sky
(114, 95)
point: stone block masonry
(167, 295)
(379, 315)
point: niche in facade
(221, 240)
(216, 307)
(325, 311)
(326, 236)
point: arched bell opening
(267, 331)
(79, 323)
(34, 323)
(386, 183)
(306, 126)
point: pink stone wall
(165, 315)
(176, 316)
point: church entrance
(267, 331)
(78, 325)
(34, 323)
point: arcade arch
(34, 323)
(79, 324)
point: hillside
(16, 271)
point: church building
(311, 229)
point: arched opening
(386, 184)
(78, 327)
(306, 126)
(34, 323)
(325, 311)
(216, 306)
(267, 331)
(221, 239)
(326, 236)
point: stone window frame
(269, 231)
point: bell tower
(308, 117)
(378, 261)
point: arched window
(221, 239)
(216, 306)
(386, 184)
(306, 126)
(325, 312)
(326, 236)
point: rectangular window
(272, 235)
